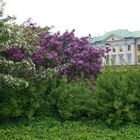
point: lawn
(48, 128)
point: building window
(113, 50)
(121, 59)
(107, 59)
(129, 58)
(138, 47)
(129, 48)
(113, 59)
(121, 49)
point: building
(124, 47)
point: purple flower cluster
(44, 58)
(14, 53)
(57, 49)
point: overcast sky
(86, 16)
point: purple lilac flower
(66, 48)
(15, 54)
(36, 43)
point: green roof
(120, 33)
(136, 34)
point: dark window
(129, 47)
(138, 46)
(121, 49)
(113, 50)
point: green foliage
(70, 99)
(1, 7)
(48, 128)
(22, 98)
(23, 35)
(24, 69)
(134, 90)
(22, 88)
(4, 26)
(116, 95)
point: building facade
(124, 47)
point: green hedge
(70, 99)
(117, 95)
(22, 88)
(114, 98)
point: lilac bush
(55, 50)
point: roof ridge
(124, 33)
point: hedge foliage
(117, 95)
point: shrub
(134, 90)
(19, 97)
(55, 50)
(22, 88)
(116, 95)
(71, 99)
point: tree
(3, 30)
(1, 7)
(4, 26)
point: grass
(48, 128)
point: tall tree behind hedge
(3, 30)
(1, 21)
(1, 8)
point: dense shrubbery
(22, 88)
(117, 95)
(70, 99)
(115, 98)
